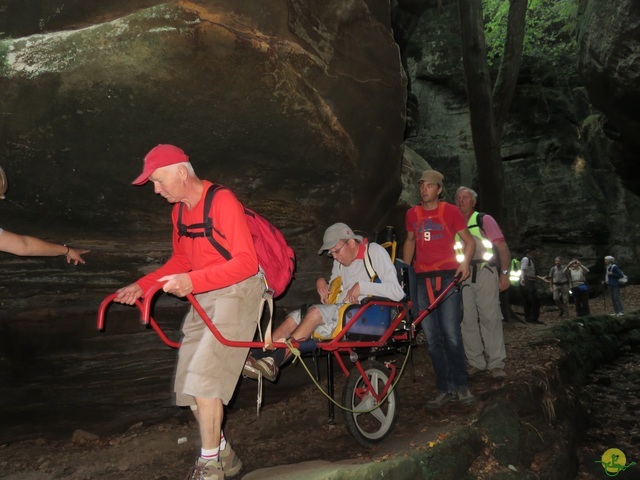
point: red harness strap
(430, 292)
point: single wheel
(369, 428)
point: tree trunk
(485, 139)
(510, 65)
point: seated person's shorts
(329, 316)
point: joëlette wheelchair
(368, 333)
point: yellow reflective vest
(484, 248)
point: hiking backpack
(275, 256)
(623, 280)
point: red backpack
(275, 256)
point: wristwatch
(505, 272)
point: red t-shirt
(435, 232)
(207, 268)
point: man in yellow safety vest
(482, 320)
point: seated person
(348, 251)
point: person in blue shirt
(612, 277)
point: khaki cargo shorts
(206, 368)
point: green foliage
(549, 35)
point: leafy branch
(549, 34)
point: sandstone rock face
(298, 106)
(562, 188)
(609, 65)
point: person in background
(348, 251)
(230, 291)
(559, 286)
(577, 274)
(528, 277)
(482, 333)
(431, 228)
(612, 277)
(27, 246)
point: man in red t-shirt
(230, 291)
(431, 228)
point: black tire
(369, 428)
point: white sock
(223, 441)
(212, 454)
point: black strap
(206, 226)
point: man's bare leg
(209, 416)
(312, 320)
(307, 326)
(268, 363)
(284, 330)
(289, 328)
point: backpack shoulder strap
(206, 225)
(443, 222)
(480, 220)
(208, 221)
(368, 264)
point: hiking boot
(206, 470)
(441, 400)
(267, 366)
(498, 373)
(465, 397)
(471, 370)
(231, 464)
(249, 370)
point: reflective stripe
(484, 254)
(515, 272)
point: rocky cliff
(298, 106)
(313, 112)
(568, 186)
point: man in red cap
(230, 291)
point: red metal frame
(102, 312)
(339, 343)
(336, 346)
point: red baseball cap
(160, 156)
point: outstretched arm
(25, 245)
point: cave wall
(298, 106)
(302, 108)
(609, 66)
